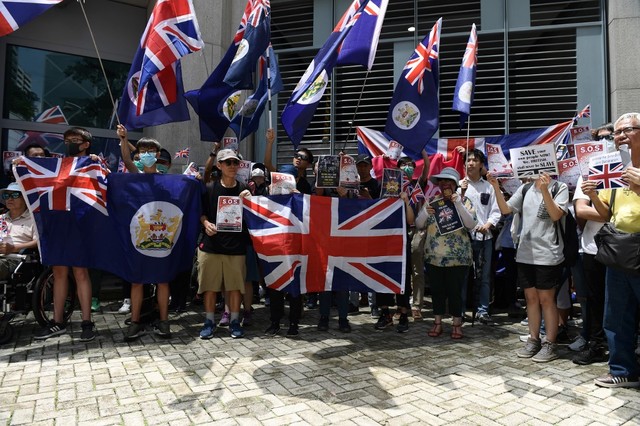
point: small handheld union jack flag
(585, 113)
(183, 153)
(416, 195)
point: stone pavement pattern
(362, 378)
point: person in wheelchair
(17, 229)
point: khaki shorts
(218, 271)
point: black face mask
(73, 149)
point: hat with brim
(257, 172)
(446, 173)
(227, 154)
(12, 187)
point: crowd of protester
(518, 231)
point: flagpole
(364, 83)
(269, 87)
(467, 150)
(104, 73)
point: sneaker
(95, 304)
(547, 353)
(293, 330)
(246, 318)
(323, 324)
(593, 352)
(383, 322)
(273, 329)
(579, 344)
(235, 330)
(207, 330)
(134, 331)
(126, 307)
(485, 318)
(375, 312)
(611, 381)
(343, 325)
(563, 335)
(88, 332)
(54, 329)
(525, 322)
(162, 329)
(531, 348)
(403, 324)
(224, 321)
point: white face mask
(148, 159)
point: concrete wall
(624, 60)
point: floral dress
(452, 249)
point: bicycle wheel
(43, 298)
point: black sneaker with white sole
(88, 331)
(53, 329)
(611, 381)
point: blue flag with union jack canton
(363, 19)
(466, 84)
(140, 227)
(14, 14)
(255, 41)
(312, 244)
(413, 112)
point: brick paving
(362, 378)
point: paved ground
(362, 378)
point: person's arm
(410, 215)
(589, 189)
(270, 137)
(423, 215)
(125, 149)
(467, 218)
(555, 211)
(425, 169)
(587, 212)
(7, 247)
(632, 176)
(208, 166)
(502, 203)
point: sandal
(456, 332)
(436, 330)
(416, 314)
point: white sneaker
(126, 307)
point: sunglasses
(608, 137)
(301, 157)
(14, 195)
(231, 162)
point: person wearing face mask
(149, 150)
(164, 162)
(78, 144)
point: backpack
(569, 231)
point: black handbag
(618, 250)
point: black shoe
(611, 381)
(293, 330)
(273, 329)
(343, 325)
(383, 322)
(403, 324)
(88, 333)
(353, 309)
(563, 336)
(592, 353)
(54, 329)
(323, 324)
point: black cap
(363, 158)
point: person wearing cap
(164, 162)
(17, 230)
(222, 255)
(149, 150)
(449, 255)
(369, 187)
(78, 144)
(302, 160)
(539, 257)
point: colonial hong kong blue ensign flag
(14, 14)
(413, 112)
(309, 243)
(140, 227)
(465, 86)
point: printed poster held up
(533, 160)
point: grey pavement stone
(362, 378)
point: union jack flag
(406, 184)
(14, 14)
(421, 59)
(416, 195)
(172, 32)
(57, 182)
(260, 8)
(313, 244)
(243, 22)
(53, 115)
(122, 168)
(585, 113)
(183, 153)
(608, 175)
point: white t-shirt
(540, 242)
(591, 227)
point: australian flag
(248, 118)
(465, 86)
(312, 244)
(141, 227)
(362, 19)
(14, 14)
(413, 112)
(254, 42)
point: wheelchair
(30, 288)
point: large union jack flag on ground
(55, 184)
(14, 14)
(608, 175)
(311, 244)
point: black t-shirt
(373, 186)
(231, 243)
(303, 186)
